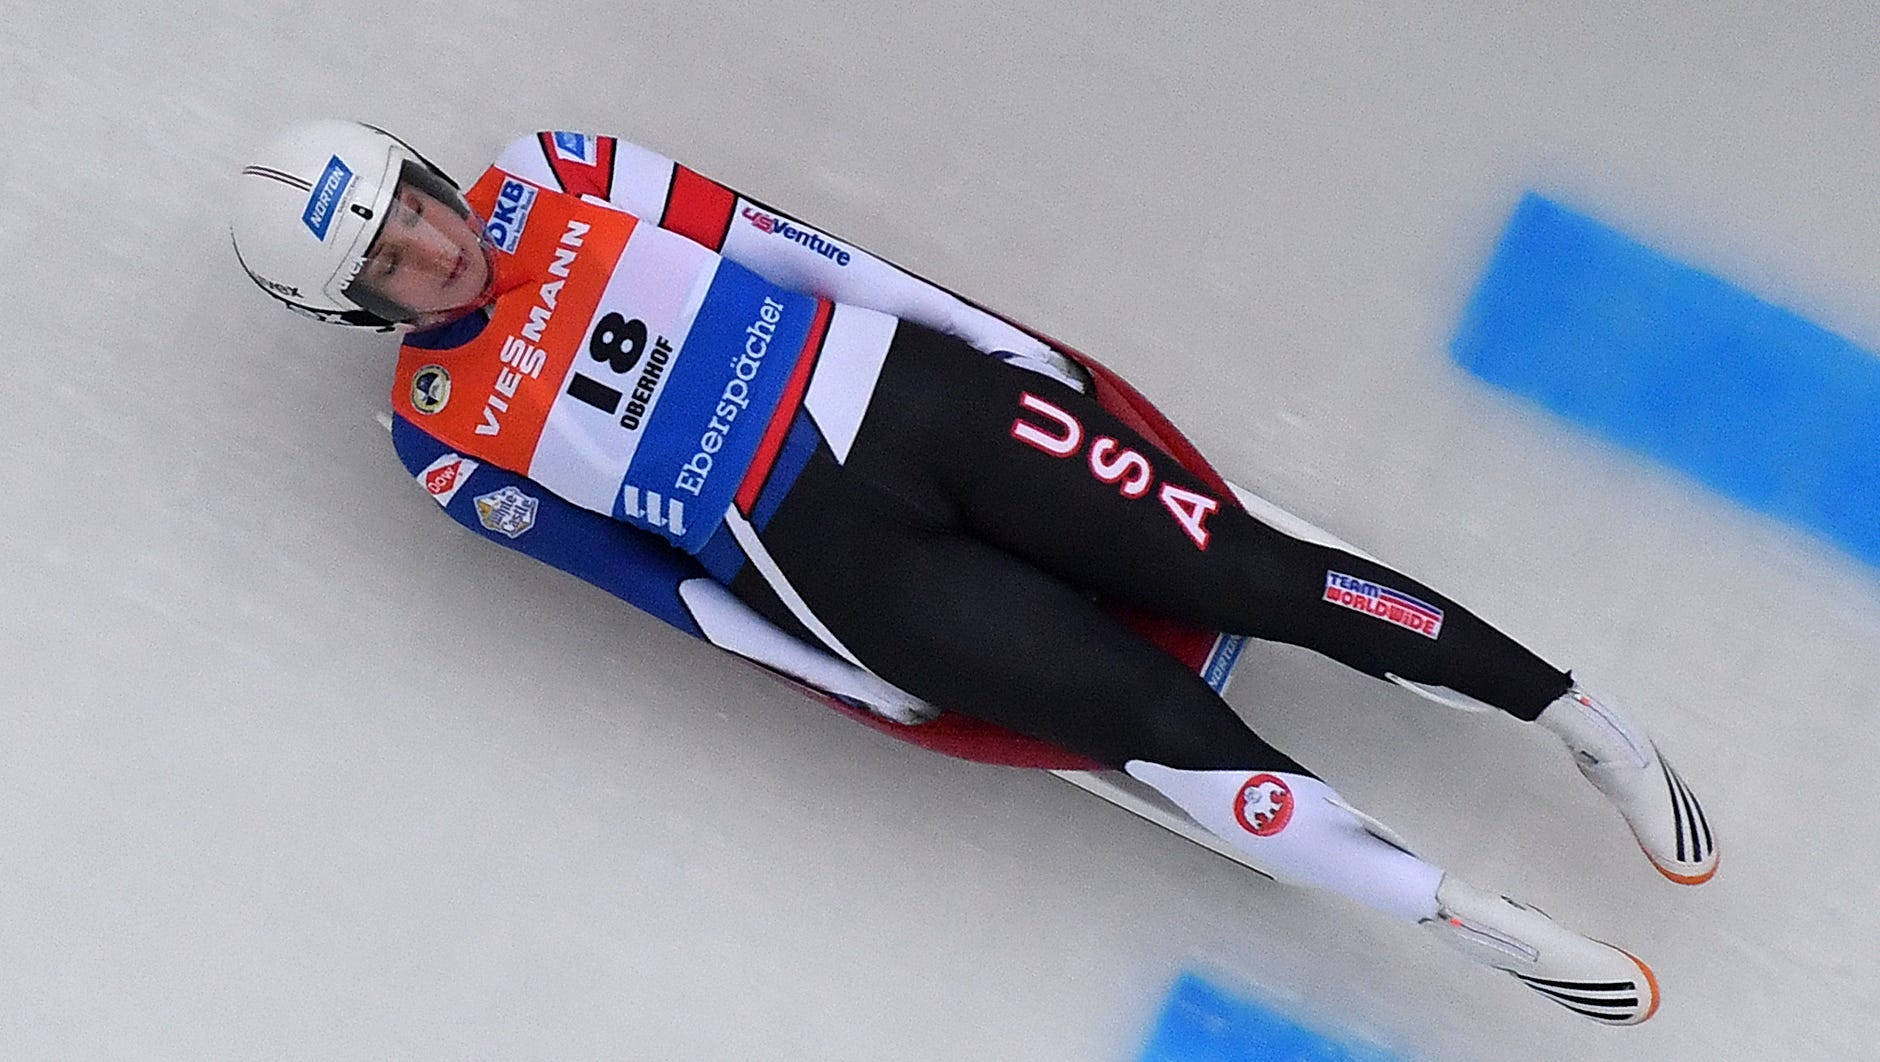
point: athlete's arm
(634, 565)
(775, 245)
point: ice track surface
(290, 767)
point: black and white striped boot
(1621, 762)
(1585, 976)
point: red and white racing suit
(934, 518)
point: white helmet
(307, 211)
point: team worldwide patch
(1391, 606)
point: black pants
(957, 556)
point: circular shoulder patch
(430, 389)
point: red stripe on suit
(699, 208)
(579, 178)
(779, 426)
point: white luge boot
(1300, 831)
(1621, 762)
(1583, 975)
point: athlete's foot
(1585, 976)
(1625, 765)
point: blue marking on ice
(1751, 399)
(1202, 1022)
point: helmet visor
(430, 261)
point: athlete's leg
(966, 626)
(1024, 461)
(1045, 472)
(969, 627)
(882, 579)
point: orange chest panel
(491, 396)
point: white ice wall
(292, 768)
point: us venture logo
(776, 226)
(326, 192)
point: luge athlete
(896, 497)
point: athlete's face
(427, 257)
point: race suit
(685, 396)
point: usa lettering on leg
(1112, 463)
